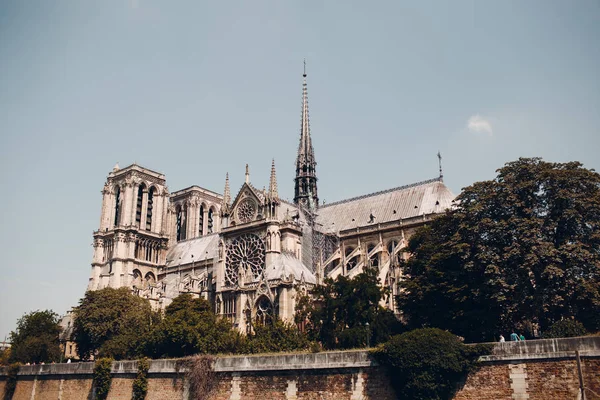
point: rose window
(246, 211)
(245, 256)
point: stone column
(205, 221)
(127, 204)
(144, 209)
(157, 213)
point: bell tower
(132, 239)
(305, 188)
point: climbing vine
(11, 381)
(102, 377)
(201, 376)
(140, 384)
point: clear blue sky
(197, 89)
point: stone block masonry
(533, 370)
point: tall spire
(226, 192)
(306, 174)
(440, 164)
(273, 183)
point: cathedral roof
(422, 198)
(285, 265)
(202, 248)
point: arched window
(117, 205)
(150, 279)
(181, 223)
(374, 258)
(349, 251)
(352, 263)
(210, 221)
(137, 279)
(201, 221)
(149, 208)
(138, 205)
(264, 311)
(332, 265)
(392, 248)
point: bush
(140, 384)
(565, 328)
(429, 363)
(102, 377)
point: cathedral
(253, 255)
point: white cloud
(479, 124)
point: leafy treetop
(523, 248)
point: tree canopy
(111, 323)
(190, 327)
(345, 312)
(428, 364)
(36, 338)
(522, 248)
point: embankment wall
(539, 369)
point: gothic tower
(131, 242)
(305, 192)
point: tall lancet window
(181, 224)
(149, 208)
(117, 205)
(210, 221)
(138, 205)
(201, 221)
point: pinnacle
(273, 194)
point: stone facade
(252, 255)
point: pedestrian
(514, 337)
(522, 338)
(502, 339)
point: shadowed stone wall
(539, 369)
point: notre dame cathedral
(253, 255)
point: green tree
(345, 313)
(111, 323)
(565, 328)
(522, 247)
(36, 338)
(190, 327)
(5, 356)
(428, 364)
(275, 336)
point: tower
(305, 188)
(131, 242)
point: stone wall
(524, 370)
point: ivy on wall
(102, 377)
(140, 384)
(11, 381)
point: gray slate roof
(202, 248)
(285, 265)
(403, 202)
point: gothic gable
(247, 206)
